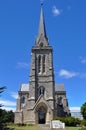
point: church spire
(42, 30)
(42, 39)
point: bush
(59, 118)
(83, 123)
(69, 121)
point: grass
(72, 128)
(75, 128)
(27, 127)
(34, 127)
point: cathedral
(41, 99)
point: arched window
(43, 63)
(39, 64)
(23, 100)
(41, 90)
(60, 100)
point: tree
(6, 116)
(1, 111)
(10, 116)
(83, 110)
(1, 90)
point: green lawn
(72, 128)
(15, 127)
(27, 127)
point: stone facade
(41, 100)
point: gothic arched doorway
(42, 115)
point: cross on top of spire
(41, 1)
(42, 30)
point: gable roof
(60, 87)
(24, 87)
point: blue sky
(66, 29)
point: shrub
(83, 123)
(69, 121)
(59, 118)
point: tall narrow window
(43, 63)
(60, 100)
(23, 100)
(41, 90)
(39, 64)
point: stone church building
(41, 99)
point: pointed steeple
(41, 39)
(42, 30)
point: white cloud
(55, 11)
(7, 103)
(83, 59)
(9, 108)
(74, 109)
(14, 95)
(70, 74)
(22, 65)
(67, 74)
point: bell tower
(42, 72)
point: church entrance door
(42, 116)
